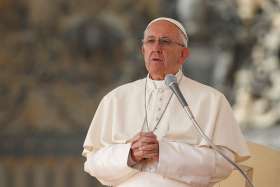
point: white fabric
(120, 116)
(196, 166)
(179, 165)
(109, 164)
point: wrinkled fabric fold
(109, 164)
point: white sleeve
(193, 165)
(109, 164)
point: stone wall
(58, 58)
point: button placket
(159, 104)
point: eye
(165, 41)
(150, 41)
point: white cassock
(185, 159)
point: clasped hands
(144, 146)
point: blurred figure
(140, 135)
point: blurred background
(59, 57)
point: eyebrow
(164, 37)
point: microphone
(171, 81)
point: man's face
(162, 49)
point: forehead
(162, 28)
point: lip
(156, 59)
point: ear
(184, 55)
(142, 50)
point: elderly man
(140, 135)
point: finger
(147, 149)
(143, 141)
(143, 144)
(150, 147)
(135, 138)
(150, 156)
(153, 149)
(148, 140)
(142, 134)
(138, 154)
(148, 134)
(136, 158)
(136, 144)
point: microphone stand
(171, 82)
(202, 134)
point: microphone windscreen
(169, 79)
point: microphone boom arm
(205, 137)
(171, 82)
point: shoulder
(125, 90)
(201, 90)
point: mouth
(156, 59)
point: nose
(157, 47)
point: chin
(156, 67)
(157, 75)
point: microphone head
(170, 79)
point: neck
(161, 76)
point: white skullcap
(175, 22)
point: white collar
(160, 84)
